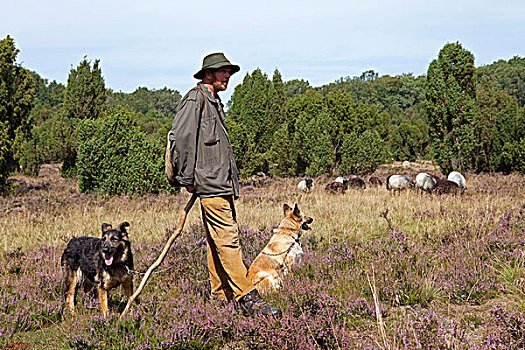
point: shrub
(513, 155)
(114, 157)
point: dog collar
(295, 241)
(281, 253)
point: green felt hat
(215, 61)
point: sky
(161, 43)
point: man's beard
(219, 86)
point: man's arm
(185, 127)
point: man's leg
(220, 289)
(224, 252)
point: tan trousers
(227, 270)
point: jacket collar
(208, 94)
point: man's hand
(190, 189)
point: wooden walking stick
(159, 260)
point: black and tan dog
(281, 253)
(102, 262)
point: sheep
(306, 185)
(375, 181)
(341, 180)
(336, 187)
(458, 179)
(356, 182)
(256, 180)
(398, 182)
(446, 186)
(425, 182)
(406, 164)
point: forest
(461, 117)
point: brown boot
(252, 303)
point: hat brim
(233, 69)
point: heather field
(409, 271)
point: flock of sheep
(454, 183)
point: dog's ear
(286, 209)
(105, 227)
(122, 227)
(296, 210)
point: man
(207, 168)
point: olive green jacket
(205, 157)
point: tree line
(462, 117)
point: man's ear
(207, 75)
(286, 209)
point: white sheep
(398, 182)
(306, 185)
(425, 182)
(341, 180)
(458, 179)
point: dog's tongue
(109, 260)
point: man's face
(220, 78)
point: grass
(448, 271)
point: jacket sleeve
(186, 130)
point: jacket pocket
(210, 145)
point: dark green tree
(362, 153)
(506, 75)
(313, 143)
(85, 99)
(47, 93)
(50, 142)
(507, 132)
(154, 110)
(276, 99)
(311, 102)
(489, 102)
(450, 96)
(360, 88)
(402, 91)
(409, 140)
(256, 111)
(514, 154)
(296, 87)
(44, 144)
(161, 102)
(16, 96)
(282, 155)
(85, 92)
(346, 118)
(298, 112)
(6, 158)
